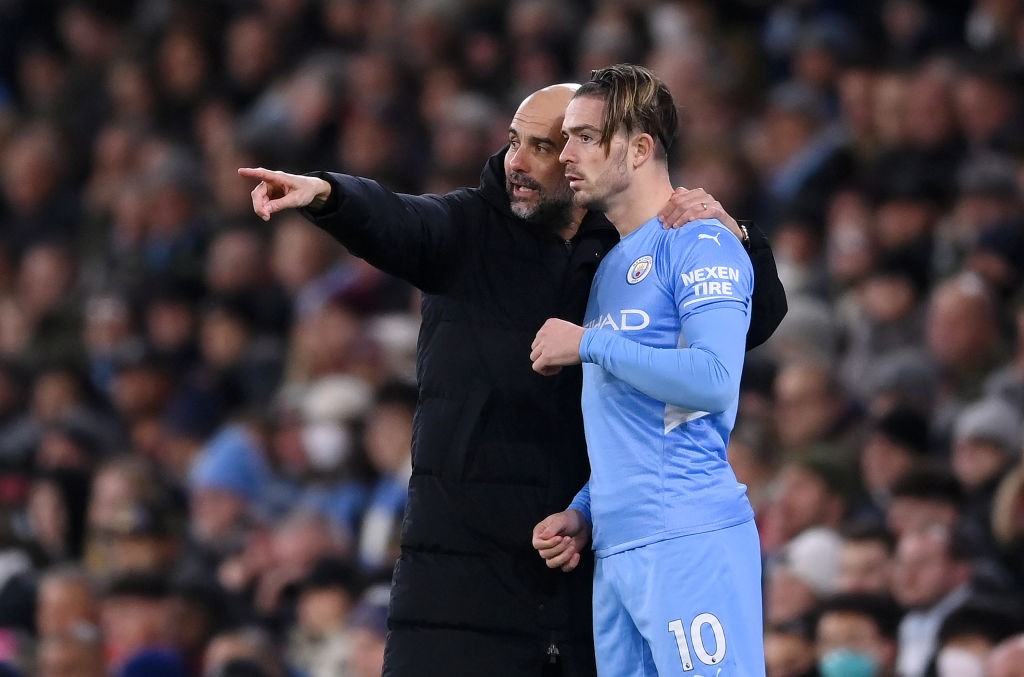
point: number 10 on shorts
(677, 628)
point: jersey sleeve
(703, 372)
(581, 502)
(708, 268)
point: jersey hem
(674, 533)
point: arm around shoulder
(768, 303)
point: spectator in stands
(986, 443)
(856, 634)
(969, 634)
(897, 443)
(388, 441)
(865, 560)
(1006, 658)
(66, 597)
(802, 575)
(76, 651)
(931, 579)
(812, 409)
(922, 499)
(813, 491)
(134, 610)
(789, 649)
(320, 643)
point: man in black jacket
(496, 446)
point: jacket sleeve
(768, 304)
(414, 237)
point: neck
(638, 204)
(571, 228)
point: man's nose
(518, 160)
(566, 154)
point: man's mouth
(521, 188)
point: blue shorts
(685, 606)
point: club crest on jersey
(639, 270)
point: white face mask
(327, 445)
(954, 662)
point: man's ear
(643, 149)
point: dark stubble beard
(553, 209)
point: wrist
(745, 238)
(323, 193)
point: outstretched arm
(409, 236)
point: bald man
(496, 446)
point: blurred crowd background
(205, 419)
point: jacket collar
(492, 189)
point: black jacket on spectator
(497, 447)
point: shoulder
(705, 239)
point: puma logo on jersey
(707, 236)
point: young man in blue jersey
(677, 583)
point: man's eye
(585, 138)
(542, 149)
(513, 145)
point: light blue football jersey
(658, 419)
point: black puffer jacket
(496, 446)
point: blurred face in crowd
(788, 597)
(63, 602)
(215, 513)
(930, 116)
(977, 461)
(961, 326)
(849, 244)
(139, 389)
(864, 566)
(30, 168)
(983, 107)
(169, 324)
(322, 611)
(845, 630)
(48, 516)
(787, 654)
(233, 262)
(70, 656)
(1006, 658)
(107, 324)
(367, 657)
(882, 462)
(46, 275)
(924, 573)
(910, 513)
(223, 338)
(534, 178)
(54, 394)
(113, 490)
(133, 623)
(805, 403)
(804, 500)
(389, 437)
(299, 252)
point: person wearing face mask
(855, 636)
(969, 635)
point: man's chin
(524, 210)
